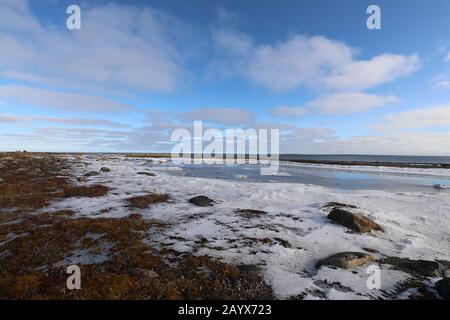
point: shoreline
(282, 158)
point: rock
(283, 242)
(202, 201)
(371, 250)
(149, 174)
(446, 268)
(346, 260)
(92, 174)
(144, 273)
(251, 212)
(425, 268)
(22, 170)
(82, 179)
(339, 205)
(105, 169)
(443, 288)
(354, 221)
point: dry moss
(32, 181)
(43, 244)
(34, 243)
(86, 191)
(143, 202)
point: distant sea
(365, 158)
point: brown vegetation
(143, 202)
(31, 181)
(36, 247)
(86, 191)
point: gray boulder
(92, 174)
(202, 201)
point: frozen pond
(335, 177)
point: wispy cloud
(285, 111)
(338, 103)
(225, 116)
(351, 102)
(118, 46)
(441, 82)
(9, 118)
(303, 61)
(63, 101)
(88, 122)
(437, 116)
(359, 75)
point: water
(335, 178)
(367, 158)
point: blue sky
(137, 70)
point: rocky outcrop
(148, 174)
(202, 201)
(105, 170)
(250, 212)
(424, 268)
(339, 205)
(354, 221)
(443, 288)
(346, 260)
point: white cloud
(9, 118)
(15, 15)
(325, 141)
(88, 122)
(447, 59)
(339, 103)
(350, 102)
(226, 116)
(418, 118)
(381, 69)
(285, 111)
(118, 46)
(12, 94)
(305, 61)
(300, 61)
(441, 82)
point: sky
(138, 70)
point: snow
(416, 224)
